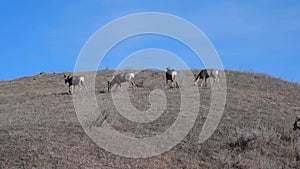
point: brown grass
(39, 127)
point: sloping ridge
(39, 127)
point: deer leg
(132, 83)
(108, 86)
(175, 84)
(212, 81)
(196, 82)
(84, 86)
(71, 89)
(79, 86)
(202, 82)
(118, 85)
(197, 79)
(215, 79)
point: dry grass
(39, 127)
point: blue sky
(48, 35)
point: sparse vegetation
(39, 127)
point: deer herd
(119, 78)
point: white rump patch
(81, 79)
(174, 73)
(131, 75)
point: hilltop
(39, 127)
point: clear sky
(48, 35)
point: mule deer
(205, 74)
(74, 81)
(121, 78)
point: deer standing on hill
(205, 74)
(74, 81)
(296, 127)
(121, 78)
(171, 75)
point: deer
(171, 75)
(296, 127)
(121, 78)
(205, 74)
(74, 81)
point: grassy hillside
(39, 127)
